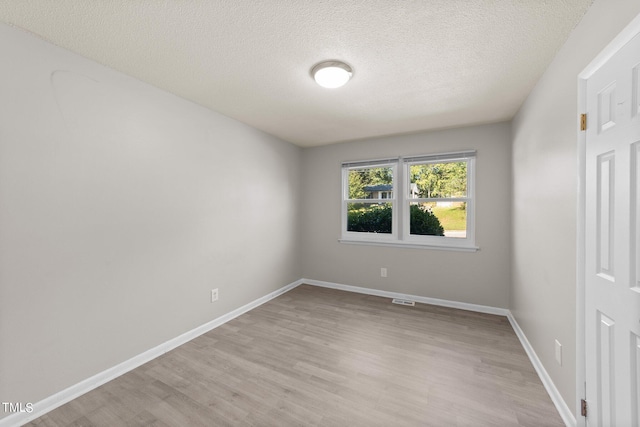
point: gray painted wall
(543, 294)
(479, 278)
(122, 206)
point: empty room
(320, 213)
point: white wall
(478, 278)
(543, 295)
(121, 207)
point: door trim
(625, 36)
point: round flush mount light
(331, 74)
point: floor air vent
(403, 302)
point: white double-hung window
(369, 204)
(416, 201)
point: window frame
(401, 201)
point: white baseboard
(52, 402)
(425, 300)
(565, 412)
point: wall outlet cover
(558, 352)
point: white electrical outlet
(383, 272)
(558, 352)
(214, 295)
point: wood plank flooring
(322, 357)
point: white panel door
(612, 240)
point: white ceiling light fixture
(331, 74)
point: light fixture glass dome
(331, 74)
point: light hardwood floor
(322, 357)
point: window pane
(369, 217)
(438, 180)
(371, 183)
(447, 219)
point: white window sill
(410, 245)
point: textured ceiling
(418, 65)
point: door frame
(628, 33)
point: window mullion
(398, 197)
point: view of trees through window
(370, 183)
(440, 180)
(447, 183)
(439, 191)
(359, 179)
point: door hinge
(583, 408)
(583, 122)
